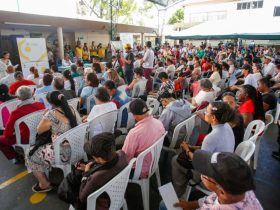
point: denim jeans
(162, 206)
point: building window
(250, 5)
(260, 4)
(276, 11)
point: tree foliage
(126, 10)
(177, 17)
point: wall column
(142, 39)
(60, 42)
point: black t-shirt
(238, 130)
(129, 67)
(270, 99)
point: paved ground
(17, 195)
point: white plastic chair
(42, 98)
(33, 88)
(103, 123)
(31, 121)
(268, 120)
(122, 88)
(11, 106)
(130, 119)
(139, 88)
(76, 138)
(253, 133)
(153, 105)
(189, 125)
(144, 183)
(115, 188)
(78, 80)
(89, 99)
(245, 150)
(253, 130)
(74, 102)
(276, 118)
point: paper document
(169, 196)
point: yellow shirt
(79, 52)
(101, 52)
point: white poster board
(126, 38)
(32, 52)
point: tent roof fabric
(232, 29)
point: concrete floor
(16, 196)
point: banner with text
(32, 52)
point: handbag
(184, 161)
(41, 139)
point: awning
(262, 29)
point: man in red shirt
(26, 106)
(20, 81)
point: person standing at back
(148, 60)
(128, 66)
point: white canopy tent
(258, 29)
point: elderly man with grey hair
(26, 106)
(206, 93)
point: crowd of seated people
(186, 81)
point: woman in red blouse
(251, 104)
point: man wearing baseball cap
(146, 132)
(230, 179)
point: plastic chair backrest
(103, 123)
(74, 102)
(155, 151)
(33, 88)
(139, 88)
(89, 99)
(189, 125)
(76, 138)
(276, 118)
(130, 120)
(253, 130)
(153, 105)
(11, 106)
(79, 80)
(115, 189)
(268, 120)
(122, 88)
(245, 150)
(42, 98)
(31, 121)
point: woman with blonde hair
(114, 76)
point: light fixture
(26, 24)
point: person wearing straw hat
(128, 63)
(268, 67)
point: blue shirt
(221, 139)
(86, 92)
(44, 89)
(120, 97)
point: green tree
(126, 10)
(177, 17)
